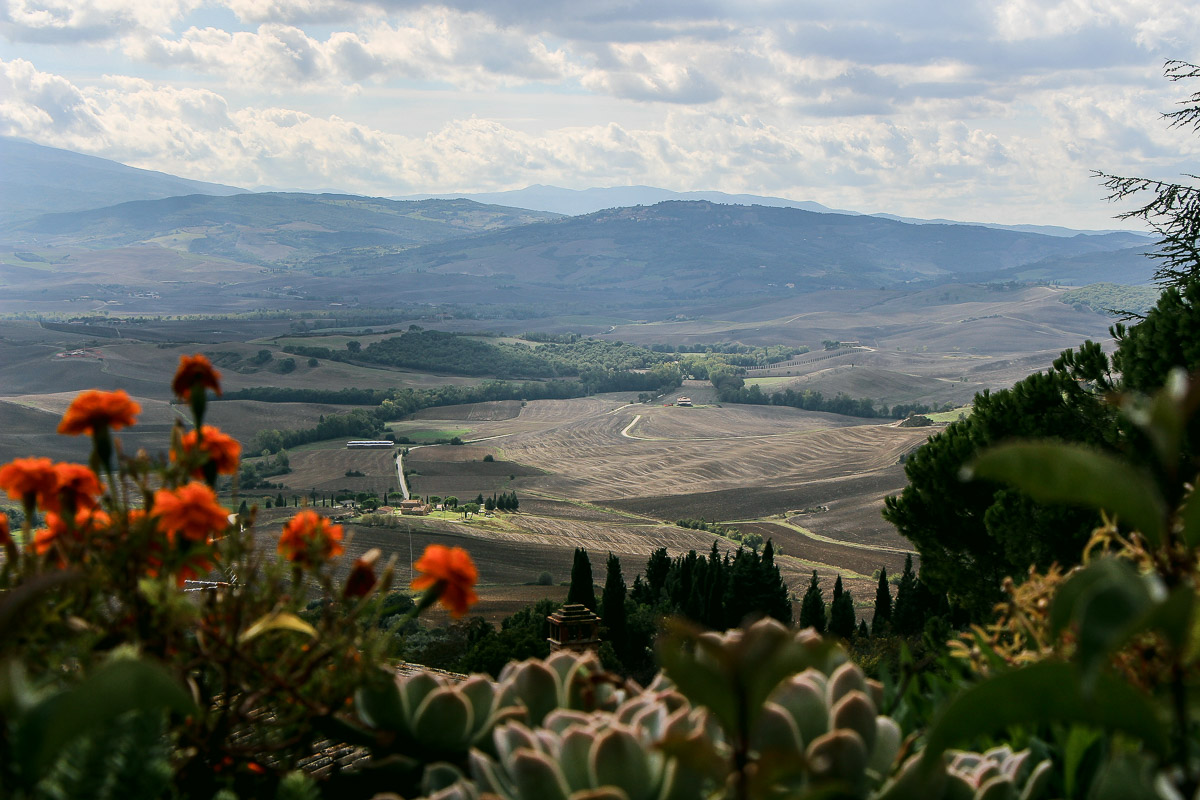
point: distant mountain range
(636, 252)
(574, 202)
(698, 246)
(270, 228)
(35, 179)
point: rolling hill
(269, 227)
(35, 180)
(703, 247)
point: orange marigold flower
(77, 487)
(195, 371)
(93, 409)
(451, 572)
(222, 449)
(86, 522)
(308, 538)
(27, 479)
(190, 511)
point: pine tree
(812, 607)
(612, 607)
(881, 622)
(841, 612)
(906, 616)
(479, 499)
(582, 590)
(490, 503)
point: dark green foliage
(812, 607)
(464, 355)
(732, 389)
(582, 590)
(841, 612)
(612, 608)
(522, 635)
(971, 535)
(907, 617)
(882, 618)
(863, 632)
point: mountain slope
(701, 246)
(269, 228)
(576, 202)
(35, 180)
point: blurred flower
(450, 573)
(6, 539)
(309, 539)
(85, 522)
(192, 566)
(362, 575)
(95, 409)
(222, 450)
(191, 511)
(29, 479)
(193, 371)
(77, 487)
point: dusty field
(497, 410)
(325, 470)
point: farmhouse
(365, 443)
(414, 508)
(686, 402)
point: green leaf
(1190, 517)
(1077, 475)
(1044, 693)
(112, 690)
(277, 620)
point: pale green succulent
(432, 717)
(564, 680)
(598, 756)
(998, 774)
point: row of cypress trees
(715, 590)
(914, 604)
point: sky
(996, 110)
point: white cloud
(87, 20)
(461, 49)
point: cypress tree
(657, 568)
(881, 622)
(714, 589)
(243, 510)
(514, 504)
(907, 616)
(863, 632)
(841, 612)
(582, 590)
(812, 607)
(612, 607)
(776, 602)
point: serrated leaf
(1077, 475)
(1044, 693)
(277, 620)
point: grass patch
(952, 415)
(428, 434)
(771, 381)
